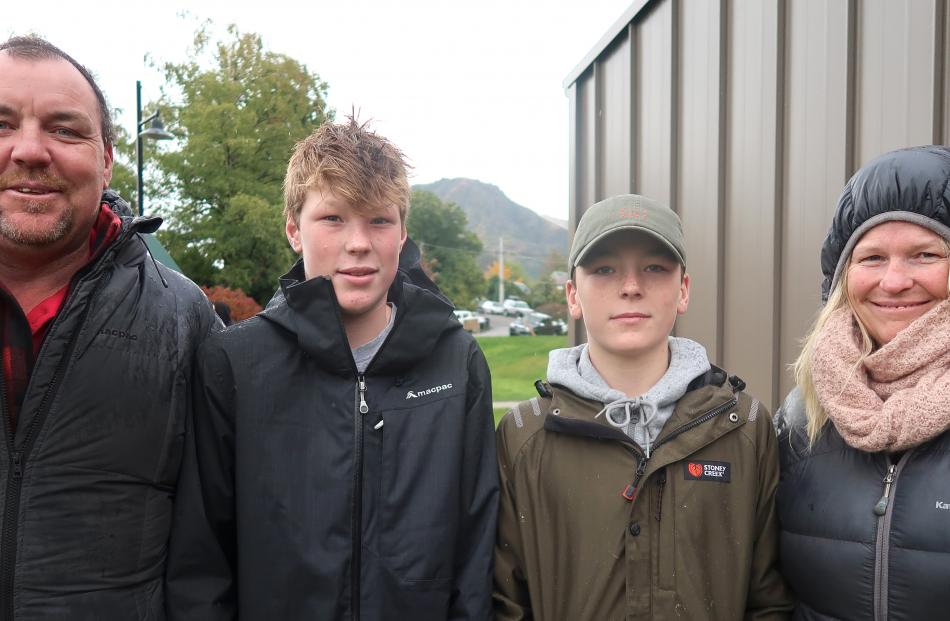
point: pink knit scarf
(899, 396)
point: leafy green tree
(514, 273)
(449, 249)
(545, 291)
(123, 164)
(237, 121)
(556, 261)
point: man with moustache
(97, 343)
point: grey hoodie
(640, 416)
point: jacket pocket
(418, 492)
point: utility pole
(501, 270)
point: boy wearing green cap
(640, 483)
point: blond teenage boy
(344, 465)
(640, 483)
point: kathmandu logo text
(943, 505)
(428, 391)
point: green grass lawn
(499, 412)
(515, 363)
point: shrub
(242, 305)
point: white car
(492, 308)
(516, 308)
(483, 322)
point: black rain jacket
(89, 476)
(853, 547)
(335, 495)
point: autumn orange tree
(241, 305)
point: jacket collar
(131, 223)
(570, 414)
(308, 309)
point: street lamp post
(155, 132)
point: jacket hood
(911, 185)
(640, 416)
(309, 310)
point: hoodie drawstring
(644, 407)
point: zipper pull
(881, 507)
(17, 465)
(661, 485)
(363, 407)
(630, 492)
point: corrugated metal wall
(747, 117)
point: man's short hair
(352, 162)
(34, 48)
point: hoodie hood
(641, 417)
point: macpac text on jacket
(427, 391)
(119, 333)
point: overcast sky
(466, 89)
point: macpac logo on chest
(719, 471)
(427, 391)
(118, 334)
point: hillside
(529, 237)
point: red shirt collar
(103, 233)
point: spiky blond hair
(356, 164)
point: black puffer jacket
(90, 474)
(848, 552)
(852, 547)
(914, 180)
(318, 510)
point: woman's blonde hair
(814, 413)
(802, 368)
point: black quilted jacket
(89, 476)
(853, 547)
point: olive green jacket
(591, 529)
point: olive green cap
(627, 212)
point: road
(499, 326)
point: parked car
(465, 317)
(516, 308)
(492, 308)
(536, 323)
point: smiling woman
(865, 439)
(898, 271)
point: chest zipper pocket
(666, 541)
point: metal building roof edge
(618, 26)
